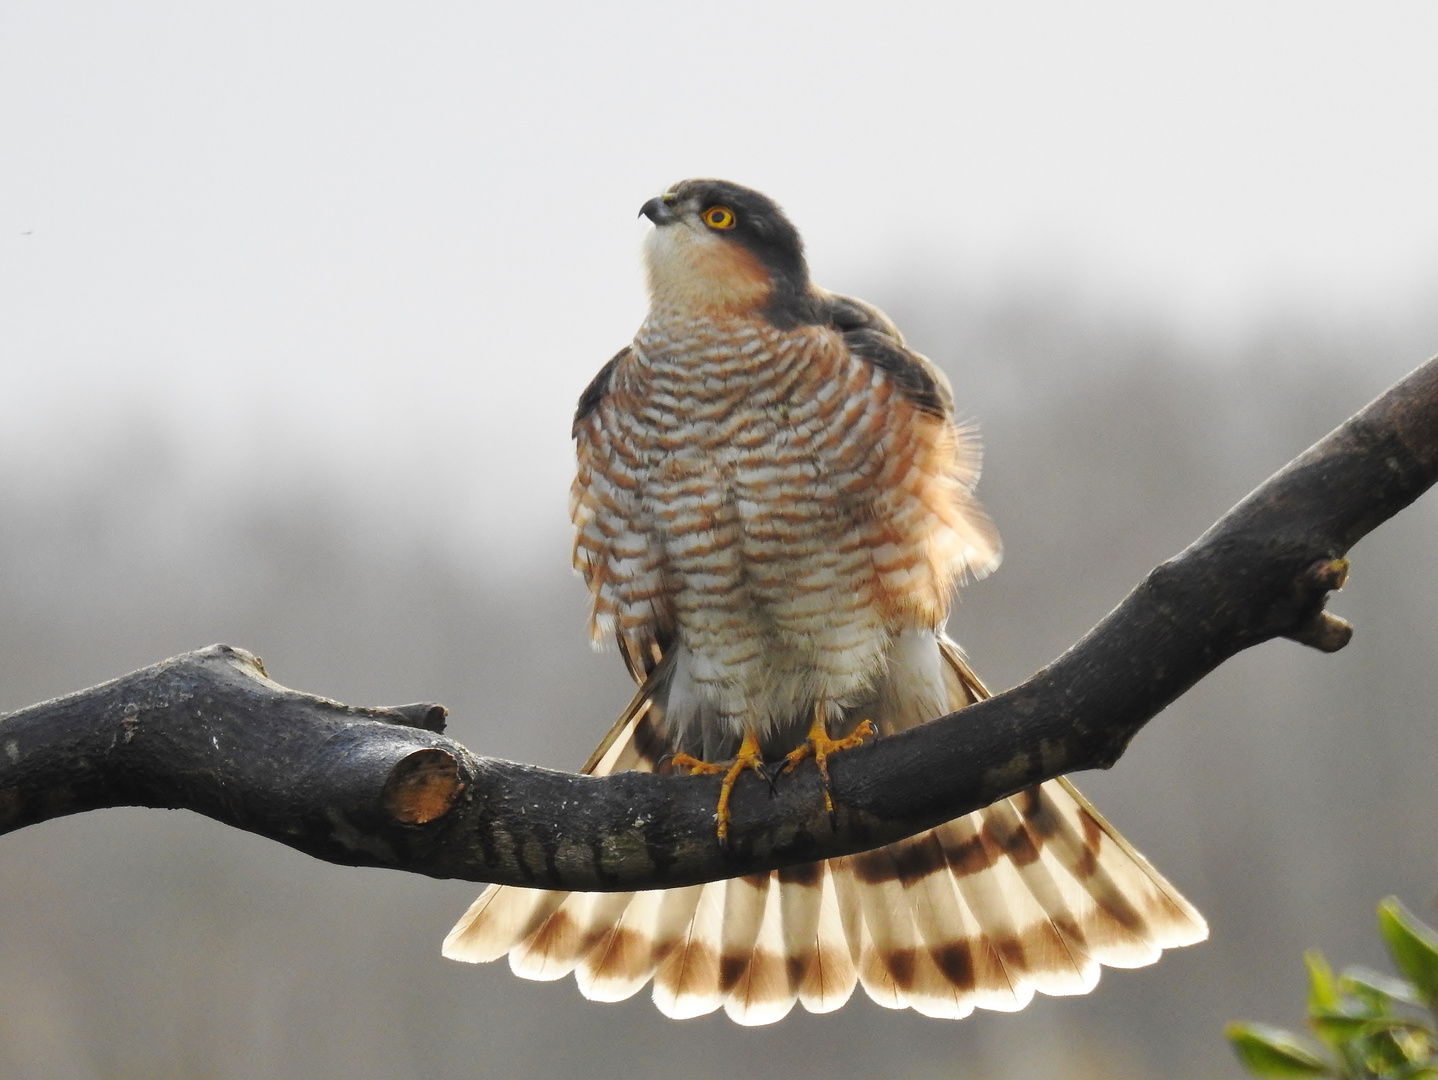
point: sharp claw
(747, 758)
(819, 746)
(771, 771)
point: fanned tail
(1034, 893)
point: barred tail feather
(818, 958)
(759, 990)
(687, 982)
(1032, 894)
(583, 923)
(624, 959)
(500, 917)
(889, 944)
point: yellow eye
(720, 217)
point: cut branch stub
(1323, 630)
(422, 787)
(210, 731)
(424, 714)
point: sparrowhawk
(773, 506)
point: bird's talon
(747, 758)
(820, 746)
(770, 771)
(695, 766)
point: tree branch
(209, 731)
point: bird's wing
(963, 542)
(872, 335)
(622, 568)
(597, 388)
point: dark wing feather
(846, 313)
(595, 391)
(638, 736)
(873, 337)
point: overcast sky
(388, 244)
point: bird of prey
(774, 504)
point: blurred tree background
(1282, 795)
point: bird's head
(719, 246)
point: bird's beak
(659, 210)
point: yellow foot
(821, 746)
(748, 758)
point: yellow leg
(748, 758)
(821, 746)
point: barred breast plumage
(777, 505)
(772, 507)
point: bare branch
(209, 731)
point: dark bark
(382, 787)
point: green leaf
(1271, 1052)
(1322, 987)
(1386, 1053)
(1336, 1028)
(1415, 1044)
(1371, 984)
(1413, 946)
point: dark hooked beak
(659, 210)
